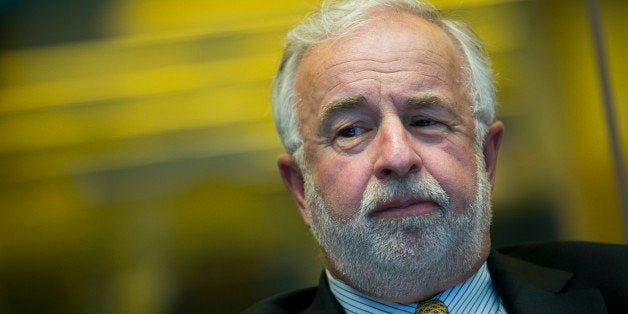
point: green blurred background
(137, 150)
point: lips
(404, 208)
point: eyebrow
(417, 102)
(431, 101)
(341, 105)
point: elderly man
(386, 112)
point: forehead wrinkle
(427, 59)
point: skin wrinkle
(340, 74)
(384, 71)
(351, 102)
(422, 104)
(429, 55)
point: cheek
(342, 181)
(455, 169)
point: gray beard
(394, 258)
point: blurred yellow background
(137, 150)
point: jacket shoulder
(570, 255)
(289, 302)
(591, 265)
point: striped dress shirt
(475, 295)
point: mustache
(380, 193)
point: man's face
(393, 170)
(387, 101)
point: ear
(293, 179)
(491, 148)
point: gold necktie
(431, 307)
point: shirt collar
(475, 295)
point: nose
(396, 154)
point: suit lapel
(528, 288)
(324, 301)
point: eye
(423, 123)
(351, 132)
(351, 138)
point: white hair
(336, 19)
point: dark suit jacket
(556, 277)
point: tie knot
(431, 307)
